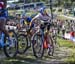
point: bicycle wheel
(22, 43)
(50, 46)
(11, 44)
(37, 45)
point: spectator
(63, 29)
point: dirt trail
(60, 54)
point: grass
(66, 43)
(71, 59)
(70, 45)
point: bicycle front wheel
(37, 45)
(11, 44)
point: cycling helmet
(28, 19)
(42, 10)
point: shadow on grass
(21, 60)
(32, 60)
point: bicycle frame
(2, 37)
(44, 38)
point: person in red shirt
(72, 33)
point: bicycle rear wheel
(50, 46)
(37, 45)
(22, 43)
(11, 44)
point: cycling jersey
(28, 19)
(25, 21)
(42, 17)
(4, 13)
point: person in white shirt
(44, 16)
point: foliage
(60, 10)
(65, 43)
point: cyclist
(25, 20)
(43, 15)
(17, 18)
(3, 17)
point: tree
(26, 1)
(38, 0)
(72, 1)
(67, 3)
(59, 2)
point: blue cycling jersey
(29, 20)
(4, 13)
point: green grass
(66, 43)
(70, 45)
(71, 59)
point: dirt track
(60, 54)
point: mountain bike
(24, 40)
(42, 41)
(38, 40)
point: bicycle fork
(2, 40)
